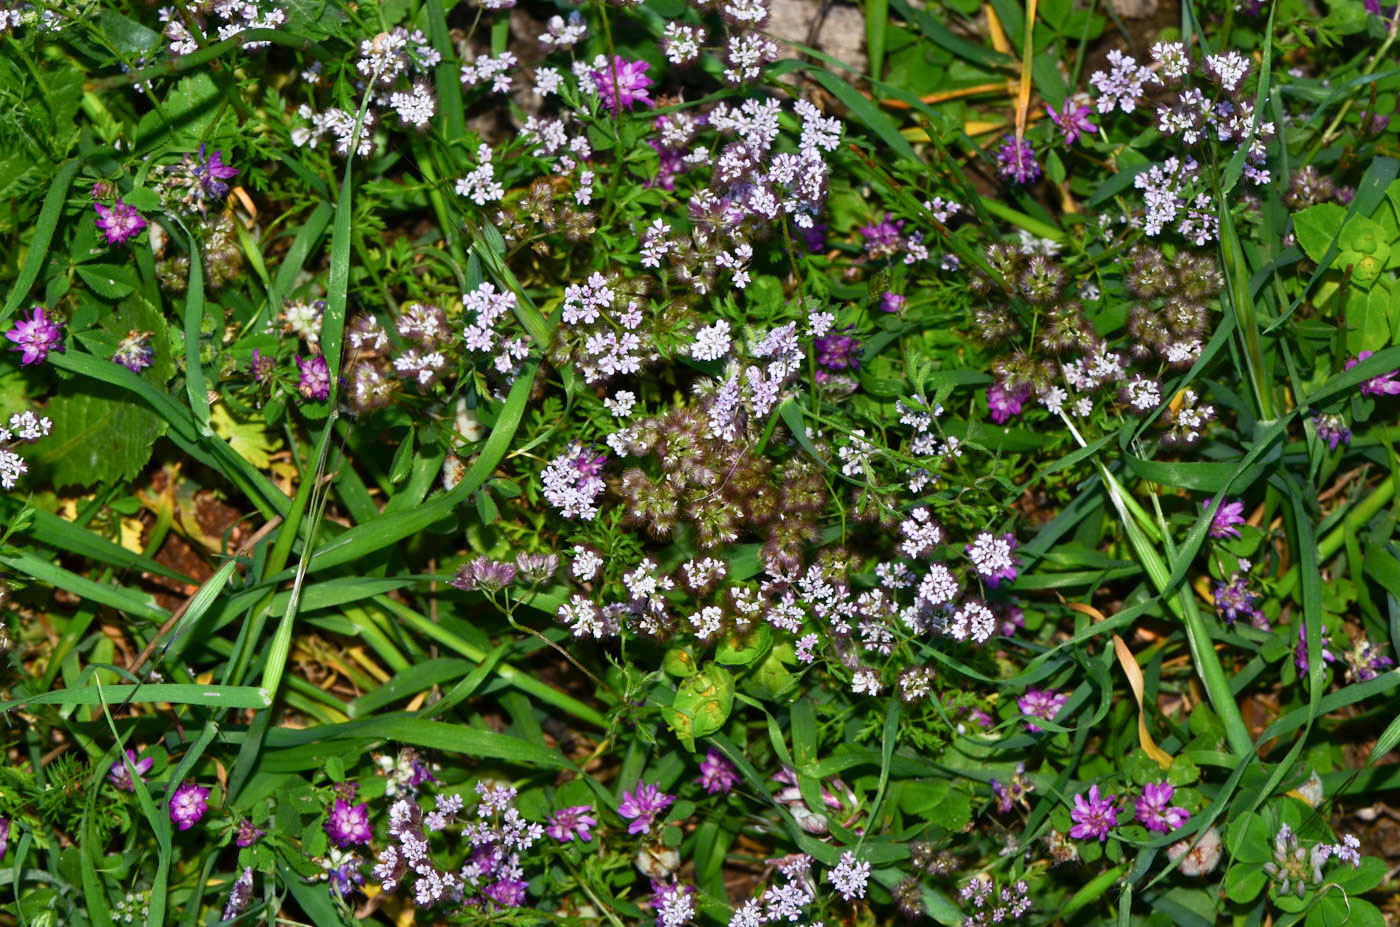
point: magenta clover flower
(1004, 403)
(1153, 811)
(573, 821)
(315, 382)
(642, 805)
(1222, 525)
(36, 336)
(120, 223)
(1072, 120)
(188, 805)
(1094, 816)
(120, 776)
(348, 824)
(630, 85)
(717, 774)
(1041, 703)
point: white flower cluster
(481, 186)
(24, 426)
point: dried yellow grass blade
(1134, 674)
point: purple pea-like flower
(36, 336)
(135, 352)
(717, 774)
(1382, 385)
(348, 824)
(573, 821)
(4, 836)
(188, 804)
(1222, 525)
(1094, 816)
(891, 302)
(1072, 120)
(883, 238)
(315, 382)
(1153, 811)
(247, 834)
(120, 776)
(120, 223)
(623, 84)
(837, 352)
(508, 893)
(211, 172)
(1016, 161)
(642, 805)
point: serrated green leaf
(108, 280)
(96, 440)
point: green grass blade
(43, 236)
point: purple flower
(891, 302)
(343, 872)
(1041, 703)
(574, 821)
(1093, 817)
(485, 574)
(1383, 385)
(1333, 429)
(641, 805)
(1300, 653)
(837, 352)
(1072, 120)
(1008, 795)
(315, 380)
(120, 223)
(348, 824)
(188, 805)
(247, 834)
(120, 776)
(1234, 601)
(1003, 403)
(1365, 660)
(210, 173)
(883, 239)
(717, 774)
(1153, 811)
(240, 895)
(672, 163)
(4, 835)
(508, 893)
(36, 336)
(135, 352)
(630, 85)
(815, 238)
(1222, 525)
(261, 367)
(1016, 160)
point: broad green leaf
(97, 440)
(249, 439)
(1316, 227)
